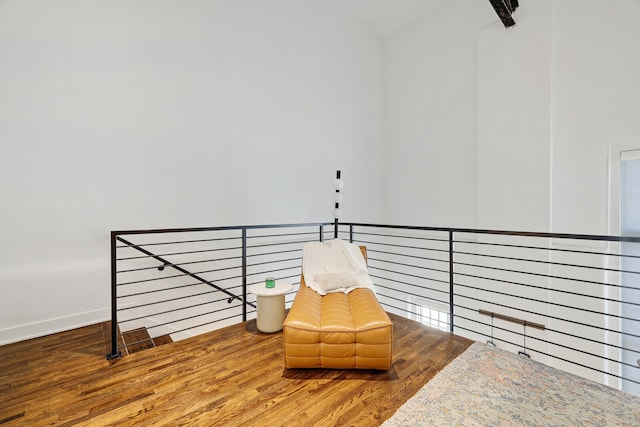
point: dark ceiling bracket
(505, 9)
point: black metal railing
(182, 282)
(570, 301)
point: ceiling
(384, 17)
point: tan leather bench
(338, 330)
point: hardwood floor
(234, 376)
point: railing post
(244, 274)
(321, 232)
(350, 233)
(336, 211)
(114, 302)
(451, 281)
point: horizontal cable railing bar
(155, 279)
(263, 272)
(172, 288)
(190, 318)
(530, 273)
(412, 284)
(599, 356)
(160, 313)
(406, 256)
(546, 262)
(365, 242)
(274, 261)
(181, 275)
(279, 278)
(407, 274)
(155, 291)
(402, 264)
(261, 236)
(266, 245)
(178, 253)
(131, 270)
(510, 282)
(188, 286)
(411, 294)
(399, 236)
(547, 249)
(178, 242)
(181, 264)
(169, 300)
(527, 285)
(221, 279)
(272, 253)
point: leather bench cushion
(337, 331)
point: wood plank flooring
(234, 376)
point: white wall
(514, 119)
(572, 71)
(595, 72)
(596, 105)
(121, 115)
(510, 128)
(431, 102)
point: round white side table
(271, 310)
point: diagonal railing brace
(167, 263)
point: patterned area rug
(487, 386)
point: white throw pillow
(332, 281)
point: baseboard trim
(52, 326)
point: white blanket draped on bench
(334, 266)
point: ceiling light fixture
(505, 9)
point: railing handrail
(598, 237)
(553, 235)
(217, 228)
